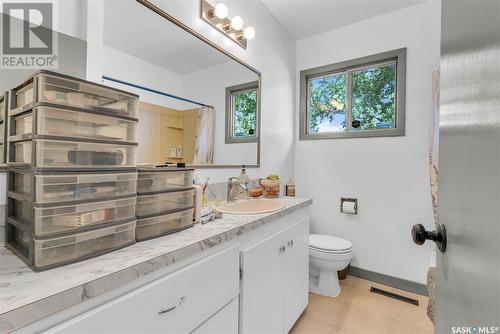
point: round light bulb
(237, 23)
(249, 33)
(221, 11)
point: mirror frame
(196, 34)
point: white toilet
(327, 255)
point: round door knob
(419, 235)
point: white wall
(209, 86)
(389, 176)
(272, 52)
(122, 66)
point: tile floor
(358, 311)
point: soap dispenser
(290, 188)
(243, 177)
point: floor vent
(394, 296)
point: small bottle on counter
(290, 188)
(243, 177)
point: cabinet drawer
(177, 303)
(160, 225)
(58, 122)
(162, 179)
(67, 218)
(83, 94)
(151, 205)
(74, 154)
(70, 187)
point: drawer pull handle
(171, 308)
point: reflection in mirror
(183, 83)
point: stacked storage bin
(72, 170)
(165, 198)
(3, 122)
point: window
(358, 98)
(242, 104)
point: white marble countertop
(26, 296)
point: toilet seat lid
(328, 242)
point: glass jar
(270, 188)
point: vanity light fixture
(221, 11)
(249, 33)
(233, 28)
(237, 23)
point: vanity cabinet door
(261, 296)
(223, 322)
(296, 272)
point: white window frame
(395, 56)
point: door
(261, 302)
(223, 322)
(296, 272)
(468, 273)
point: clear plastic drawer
(160, 225)
(72, 154)
(21, 238)
(22, 152)
(150, 205)
(2, 107)
(23, 124)
(73, 187)
(51, 153)
(149, 182)
(56, 219)
(48, 252)
(24, 95)
(80, 94)
(68, 123)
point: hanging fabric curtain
(205, 129)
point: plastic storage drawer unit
(59, 122)
(154, 180)
(48, 220)
(74, 154)
(56, 251)
(24, 95)
(58, 89)
(3, 125)
(150, 205)
(2, 106)
(160, 225)
(69, 187)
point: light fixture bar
(208, 14)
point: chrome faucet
(236, 190)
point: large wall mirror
(199, 105)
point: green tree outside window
(245, 113)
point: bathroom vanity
(242, 273)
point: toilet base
(325, 284)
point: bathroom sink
(252, 206)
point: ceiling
(303, 18)
(155, 40)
